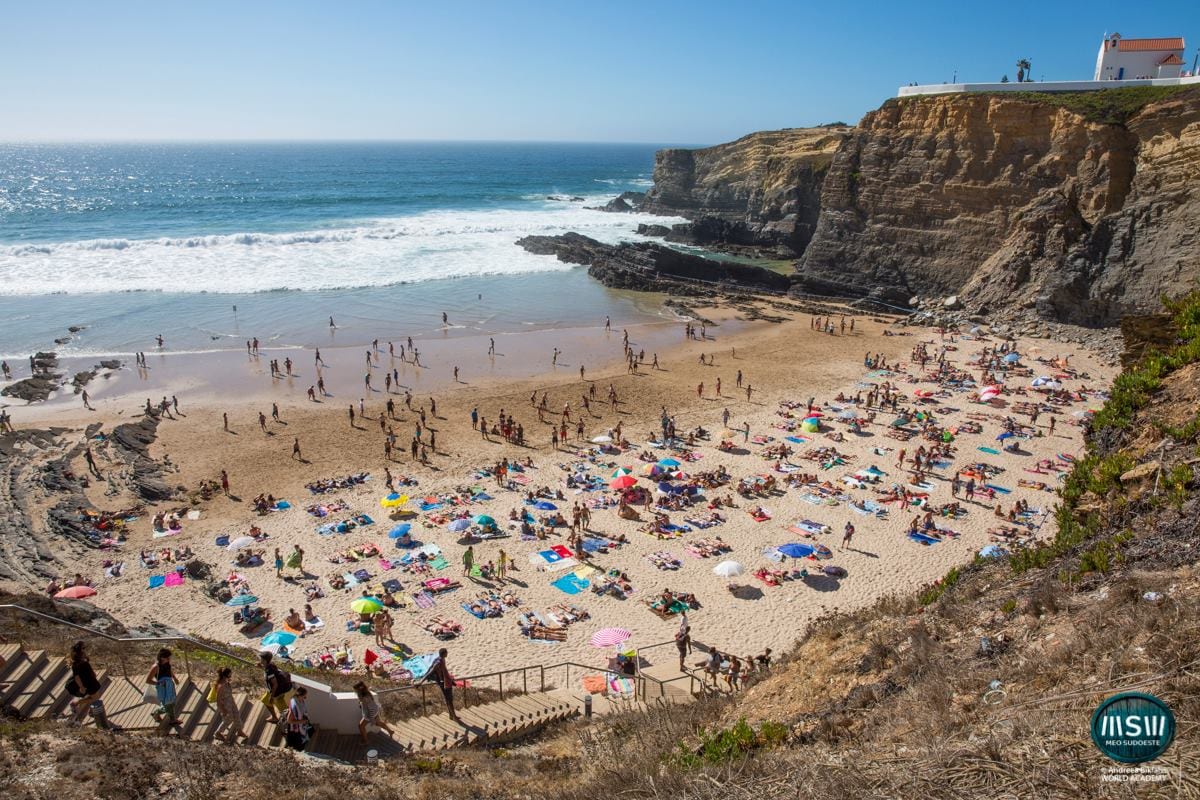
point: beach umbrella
(242, 600)
(240, 542)
(849, 413)
(484, 519)
(365, 605)
(810, 426)
(1005, 435)
(76, 592)
(394, 500)
(601, 439)
(1012, 358)
(545, 505)
(668, 462)
(728, 569)
(399, 530)
(610, 637)
(621, 471)
(623, 482)
(813, 415)
(279, 638)
(650, 470)
(459, 525)
(796, 550)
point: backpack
(283, 681)
(72, 687)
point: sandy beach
(784, 363)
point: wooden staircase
(33, 686)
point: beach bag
(150, 694)
(211, 697)
(72, 687)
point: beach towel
(571, 584)
(796, 439)
(472, 612)
(165, 534)
(173, 579)
(439, 563)
(594, 545)
(155, 581)
(392, 586)
(593, 684)
(550, 556)
(999, 489)
(282, 505)
(420, 665)
(989, 450)
(350, 580)
(808, 526)
(424, 599)
(562, 550)
(620, 685)
(222, 541)
(921, 538)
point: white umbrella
(601, 439)
(240, 542)
(728, 569)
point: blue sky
(652, 71)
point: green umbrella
(365, 605)
(484, 519)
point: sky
(656, 71)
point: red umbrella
(76, 592)
(623, 482)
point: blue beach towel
(550, 556)
(921, 538)
(999, 489)
(571, 584)
(989, 450)
(155, 581)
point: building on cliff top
(1139, 58)
(1133, 62)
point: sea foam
(432, 245)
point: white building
(1139, 59)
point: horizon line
(336, 140)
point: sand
(783, 362)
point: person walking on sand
(468, 560)
(371, 712)
(86, 404)
(848, 534)
(296, 449)
(502, 566)
(227, 708)
(440, 672)
(225, 483)
(745, 431)
(91, 461)
(296, 560)
(162, 678)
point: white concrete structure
(1040, 86)
(1135, 59)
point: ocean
(210, 244)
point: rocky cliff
(1077, 208)
(1013, 202)
(761, 191)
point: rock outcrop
(762, 191)
(651, 267)
(1012, 203)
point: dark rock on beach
(132, 443)
(647, 266)
(622, 203)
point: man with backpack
(279, 687)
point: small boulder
(1141, 472)
(952, 303)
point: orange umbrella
(76, 592)
(623, 482)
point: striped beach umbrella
(610, 637)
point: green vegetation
(1109, 106)
(1009, 606)
(932, 593)
(724, 745)
(1099, 476)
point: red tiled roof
(1170, 43)
(1171, 60)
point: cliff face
(761, 191)
(1008, 202)
(1012, 202)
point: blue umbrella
(459, 525)
(1003, 436)
(282, 638)
(399, 530)
(668, 462)
(796, 550)
(545, 505)
(1012, 358)
(242, 600)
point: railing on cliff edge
(642, 681)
